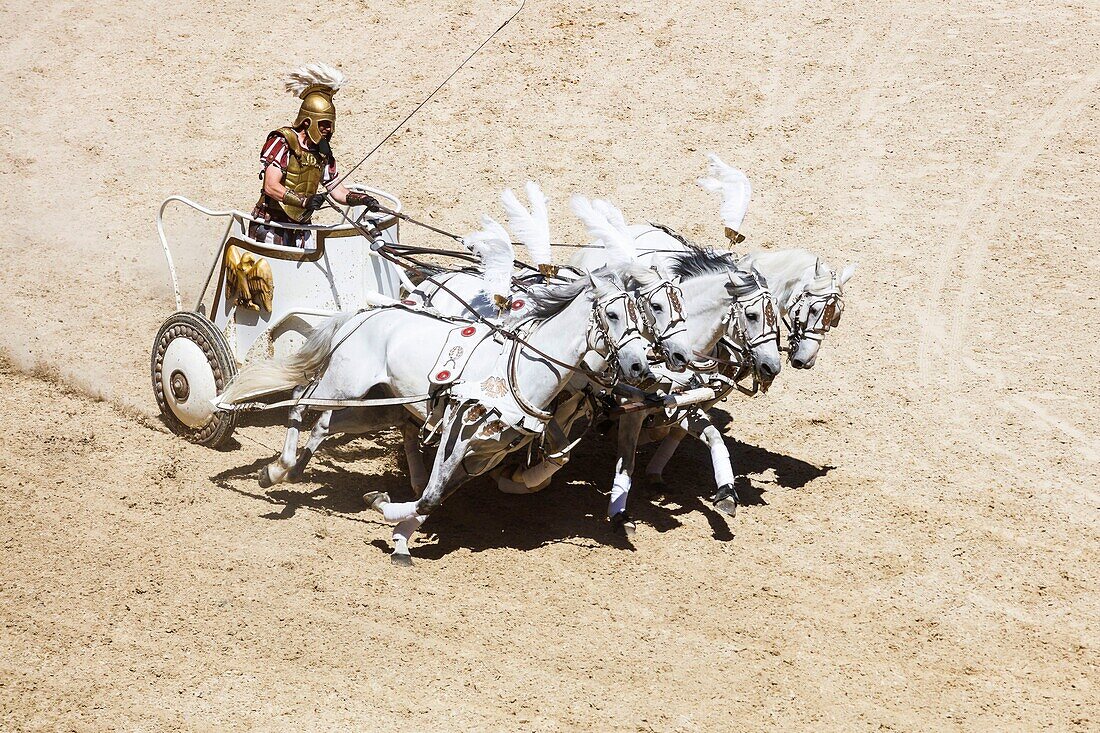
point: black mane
(547, 300)
(697, 262)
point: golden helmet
(316, 106)
(315, 84)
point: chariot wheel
(191, 365)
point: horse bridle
(677, 323)
(598, 328)
(737, 315)
(738, 344)
(598, 323)
(828, 318)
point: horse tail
(275, 375)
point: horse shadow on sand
(572, 510)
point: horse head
(813, 309)
(753, 323)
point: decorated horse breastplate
(456, 352)
(303, 173)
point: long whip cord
(428, 98)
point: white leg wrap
(395, 512)
(719, 456)
(620, 488)
(404, 531)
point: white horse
(473, 294)
(498, 406)
(493, 247)
(810, 296)
(809, 293)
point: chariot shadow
(478, 517)
(339, 494)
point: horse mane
(549, 300)
(697, 261)
(789, 264)
(743, 282)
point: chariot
(264, 300)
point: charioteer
(297, 161)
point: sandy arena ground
(922, 554)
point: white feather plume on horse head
(607, 224)
(300, 81)
(734, 187)
(493, 247)
(532, 228)
(614, 217)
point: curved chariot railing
(239, 220)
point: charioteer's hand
(358, 198)
(315, 201)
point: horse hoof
(622, 522)
(727, 506)
(375, 499)
(725, 499)
(402, 559)
(295, 476)
(264, 477)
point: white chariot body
(197, 352)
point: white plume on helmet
(734, 187)
(299, 81)
(531, 228)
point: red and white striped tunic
(277, 152)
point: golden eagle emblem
(494, 386)
(248, 278)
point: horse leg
(276, 471)
(316, 437)
(418, 475)
(402, 533)
(447, 474)
(630, 427)
(699, 425)
(352, 420)
(536, 478)
(656, 466)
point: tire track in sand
(1029, 144)
(1025, 149)
(1067, 107)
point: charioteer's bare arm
(274, 187)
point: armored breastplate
(303, 173)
